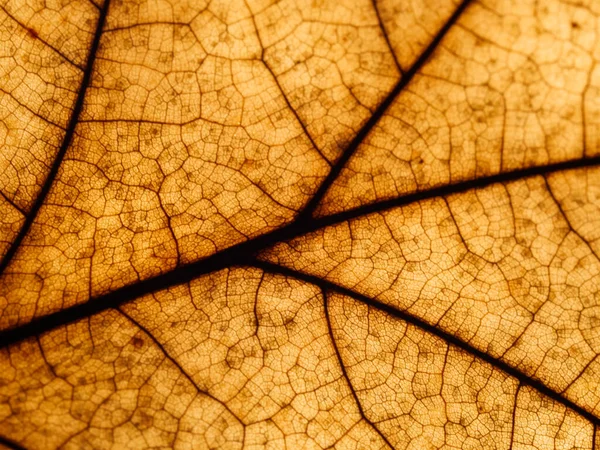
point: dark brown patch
(138, 342)
(32, 33)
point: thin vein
(68, 137)
(33, 113)
(386, 37)
(281, 91)
(175, 362)
(456, 188)
(514, 416)
(12, 203)
(418, 322)
(47, 44)
(344, 372)
(566, 217)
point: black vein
(32, 34)
(514, 416)
(244, 252)
(427, 327)
(10, 444)
(310, 207)
(68, 137)
(13, 204)
(458, 187)
(281, 91)
(566, 217)
(345, 373)
(240, 252)
(176, 363)
(386, 37)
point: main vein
(303, 223)
(244, 252)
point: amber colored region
(300, 224)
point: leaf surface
(300, 225)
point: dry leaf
(300, 224)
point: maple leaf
(300, 224)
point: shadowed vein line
(176, 363)
(386, 37)
(13, 204)
(10, 444)
(514, 416)
(455, 188)
(563, 213)
(281, 91)
(345, 373)
(68, 137)
(306, 214)
(240, 253)
(416, 321)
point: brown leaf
(299, 224)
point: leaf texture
(300, 224)
(513, 85)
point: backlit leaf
(299, 224)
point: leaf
(300, 225)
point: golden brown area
(299, 224)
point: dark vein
(13, 204)
(31, 111)
(176, 363)
(345, 373)
(566, 217)
(242, 253)
(239, 253)
(43, 353)
(514, 415)
(427, 327)
(68, 137)
(10, 444)
(310, 207)
(281, 91)
(456, 188)
(386, 37)
(29, 31)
